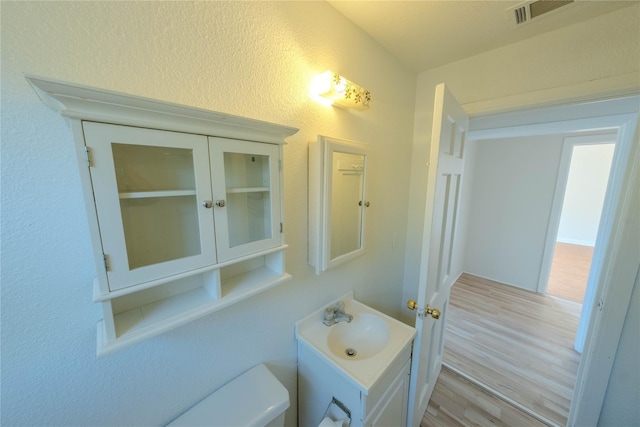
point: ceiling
(427, 34)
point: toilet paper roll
(328, 422)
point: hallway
(518, 343)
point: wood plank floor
(458, 402)
(516, 342)
(570, 271)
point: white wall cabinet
(157, 200)
(337, 201)
(184, 207)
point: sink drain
(350, 352)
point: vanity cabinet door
(246, 195)
(391, 410)
(152, 191)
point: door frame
(613, 188)
(616, 262)
(569, 142)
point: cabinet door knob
(220, 203)
(207, 204)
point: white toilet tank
(255, 398)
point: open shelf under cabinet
(152, 311)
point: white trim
(587, 124)
(619, 165)
(585, 92)
(88, 103)
(565, 111)
(554, 217)
(576, 242)
(619, 271)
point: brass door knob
(433, 312)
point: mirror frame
(320, 191)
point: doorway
(615, 247)
(515, 342)
(582, 179)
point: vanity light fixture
(340, 92)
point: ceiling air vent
(526, 12)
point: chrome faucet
(335, 313)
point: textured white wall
(584, 195)
(600, 48)
(513, 186)
(254, 59)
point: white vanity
(364, 364)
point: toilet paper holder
(341, 406)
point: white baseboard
(502, 282)
(576, 242)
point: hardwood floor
(516, 342)
(458, 402)
(570, 271)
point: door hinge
(87, 155)
(281, 227)
(106, 262)
(280, 165)
(601, 305)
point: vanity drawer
(377, 392)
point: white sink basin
(365, 336)
(362, 349)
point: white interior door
(450, 126)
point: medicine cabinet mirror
(337, 201)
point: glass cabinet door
(153, 199)
(246, 193)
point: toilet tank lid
(255, 398)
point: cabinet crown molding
(89, 103)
